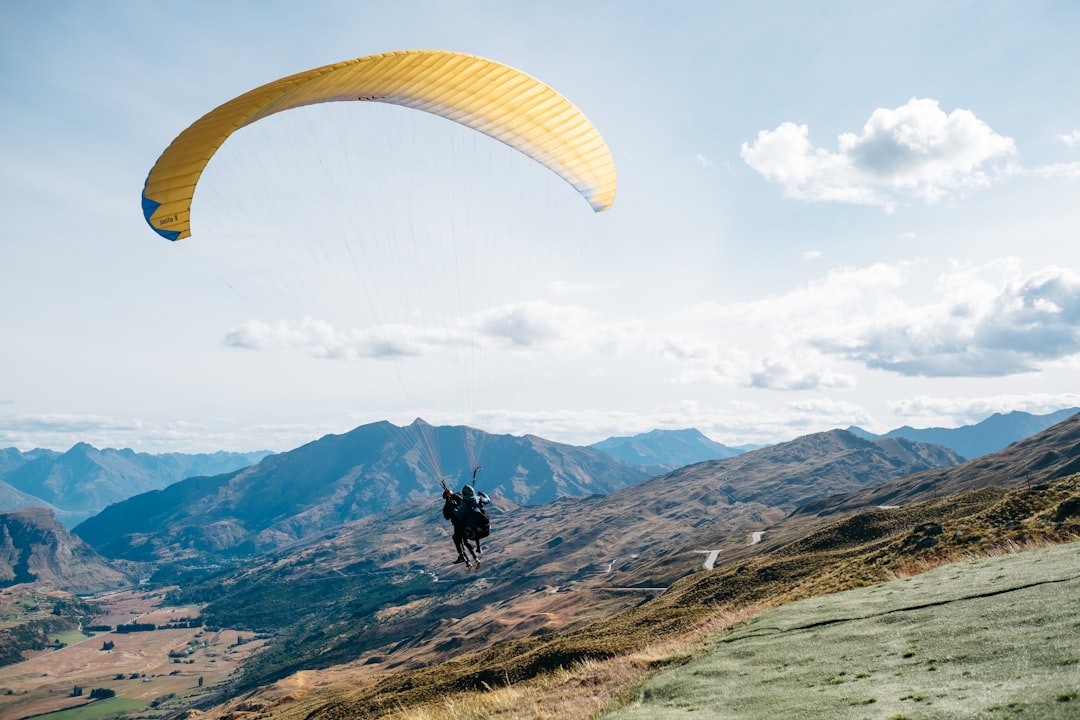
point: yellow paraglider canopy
(489, 97)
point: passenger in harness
(466, 511)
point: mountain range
(545, 566)
(1040, 458)
(582, 578)
(987, 436)
(660, 451)
(82, 481)
(346, 533)
(340, 478)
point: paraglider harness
(466, 509)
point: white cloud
(702, 161)
(785, 372)
(530, 324)
(915, 151)
(979, 325)
(787, 324)
(519, 326)
(1071, 139)
(785, 156)
(321, 339)
(954, 411)
(1058, 171)
(984, 321)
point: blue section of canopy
(148, 208)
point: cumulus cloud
(991, 320)
(986, 321)
(916, 151)
(1071, 139)
(530, 324)
(785, 372)
(702, 161)
(519, 326)
(322, 340)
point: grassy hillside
(382, 594)
(609, 658)
(992, 637)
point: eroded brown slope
(35, 547)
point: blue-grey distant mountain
(84, 480)
(12, 498)
(338, 478)
(11, 458)
(971, 441)
(661, 451)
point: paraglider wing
(494, 99)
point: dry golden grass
(582, 691)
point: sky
(828, 214)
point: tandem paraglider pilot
(467, 512)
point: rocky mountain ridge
(35, 547)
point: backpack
(477, 522)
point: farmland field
(137, 666)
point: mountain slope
(625, 540)
(990, 435)
(34, 547)
(545, 567)
(339, 478)
(1040, 458)
(883, 648)
(857, 551)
